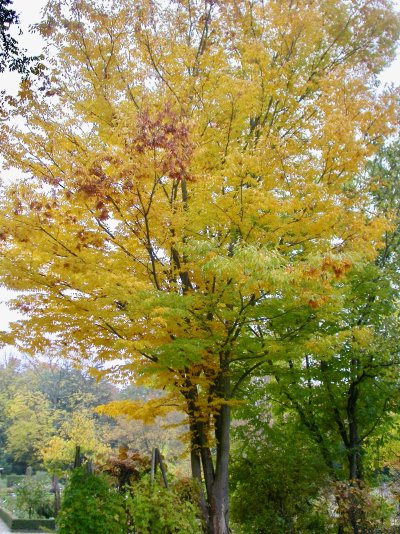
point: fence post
(153, 466)
(163, 472)
(78, 458)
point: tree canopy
(193, 215)
(12, 57)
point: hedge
(29, 525)
(6, 516)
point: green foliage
(90, 506)
(34, 498)
(13, 480)
(276, 476)
(69, 389)
(12, 58)
(156, 510)
(356, 504)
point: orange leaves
(339, 268)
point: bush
(90, 506)
(275, 482)
(13, 480)
(155, 510)
(358, 505)
(33, 497)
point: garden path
(3, 528)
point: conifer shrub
(91, 505)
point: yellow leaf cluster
(193, 170)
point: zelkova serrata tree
(189, 198)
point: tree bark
(356, 513)
(219, 506)
(56, 489)
(195, 462)
(216, 509)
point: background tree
(68, 388)
(11, 57)
(30, 426)
(344, 391)
(11, 381)
(196, 205)
(43, 398)
(80, 430)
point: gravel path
(3, 528)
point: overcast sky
(29, 11)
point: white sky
(29, 12)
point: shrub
(156, 510)
(33, 497)
(357, 505)
(269, 472)
(90, 506)
(12, 480)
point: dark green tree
(277, 473)
(91, 505)
(12, 57)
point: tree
(345, 388)
(33, 497)
(30, 426)
(11, 382)
(58, 452)
(277, 475)
(42, 398)
(11, 57)
(67, 388)
(197, 203)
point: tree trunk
(78, 457)
(195, 463)
(216, 510)
(356, 512)
(219, 506)
(57, 499)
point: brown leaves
(167, 137)
(339, 267)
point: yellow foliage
(58, 452)
(194, 173)
(143, 411)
